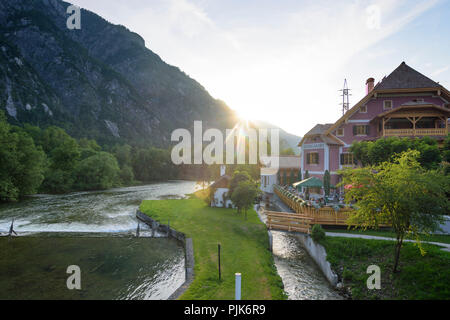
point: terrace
(416, 120)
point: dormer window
(388, 104)
(363, 109)
(340, 132)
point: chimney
(370, 84)
(223, 169)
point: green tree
(238, 176)
(88, 148)
(382, 150)
(446, 155)
(153, 164)
(327, 182)
(446, 149)
(22, 163)
(123, 154)
(307, 189)
(63, 154)
(401, 193)
(97, 172)
(126, 175)
(244, 196)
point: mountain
(99, 82)
(287, 140)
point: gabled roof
(405, 77)
(222, 182)
(393, 83)
(320, 130)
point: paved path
(446, 246)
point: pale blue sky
(283, 61)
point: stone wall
(319, 255)
(188, 249)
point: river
(96, 231)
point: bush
(317, 233)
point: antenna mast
(345, 98)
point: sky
(284, 61)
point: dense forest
(51, 161)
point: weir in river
(97, 231)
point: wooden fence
(288, 222)
(325, 215)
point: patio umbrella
(312, 182)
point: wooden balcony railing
(415, 132)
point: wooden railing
(324, 216)
(415, 132)
(288, 222)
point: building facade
(287, 171)
(404, 104)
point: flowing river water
(96, 231)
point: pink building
(404, 104)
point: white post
(238, 286)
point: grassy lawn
(388, 233)
(421, 277)
(244, 249)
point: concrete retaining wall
(319, 255)
(188, 250)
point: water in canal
(301, 277)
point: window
(361, 130)
(312, 158)
(347, 159)
(363, 109)
(340, 132)
(387, 104)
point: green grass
(420, 277)
(388, 233)
(244, 245)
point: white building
(288, 169)
(268, 179)
(220, 189)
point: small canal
(302, 278)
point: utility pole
(345, 97)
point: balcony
(415, 132)
(414, 120)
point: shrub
(317, 233)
